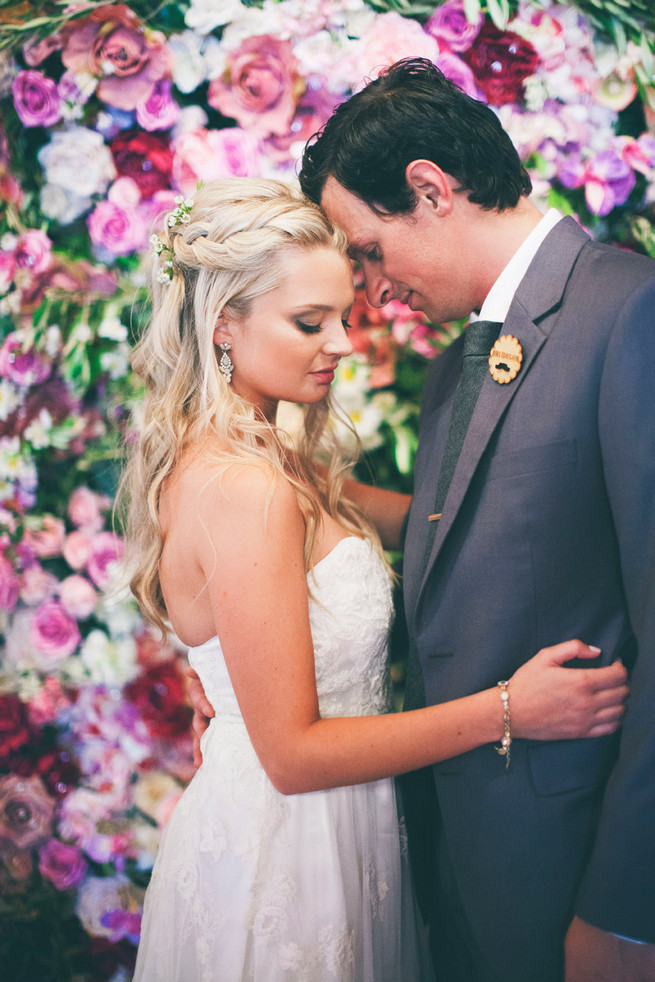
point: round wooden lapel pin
(505, 359)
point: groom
(543, 870)
(546, 530)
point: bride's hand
(202, 711)
(551, 702)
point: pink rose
(48, 540)
(26, 812)
(160, 111)
(450, 25)
(34, 251)
(77, 549)
(106, 550)
(85, 509)
(36, 584)
(53, 632)
(46, 705)
(208, 155)
(36, 98)
(22, 367)
(260, 87)
(9, 585)
(63, 865)
(38, 49)
(116, 229)
(112, 44)
(77, 596)
(389, 38)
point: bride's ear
(222, 330)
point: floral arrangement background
(107, 113)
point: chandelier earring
(226, 364)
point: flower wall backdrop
(108, 112)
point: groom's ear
(431, 185)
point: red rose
(500, 60)
(159, 695)
(146, 158)
(15, 730)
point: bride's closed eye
(308, 328)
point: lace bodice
(350, 609)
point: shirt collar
(499, 298)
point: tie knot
(479, 337)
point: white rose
(205, 15)
(109, 662)
(188, 63)
(61, 205)
(78, 160)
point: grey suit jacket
(548, 533)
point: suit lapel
(539, 293)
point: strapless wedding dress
(250, 884)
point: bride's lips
(325, 375)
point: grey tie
(479, 338)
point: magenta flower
(112, 44)
(261, 86)
(608, 183)
(53, 632)
(36, 98)
(116, 229)
(34, 251)
(458, 72)
(451, 27)
(22, 367)
(160, 111)
(9, 585)
(106, 549)
(63, 865)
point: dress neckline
(346, 538)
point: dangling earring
(226, 365)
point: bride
(284, 859)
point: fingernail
(592, 647)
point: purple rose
(63, 865)
(9, 585)
(53, 631)
(36, 98)
(26, 812)
(609, 182)
(116, 230)
(22, 367)
(450, 25)
(159, 111)
(458, 72)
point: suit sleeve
(618, 890)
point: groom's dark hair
(413, 112)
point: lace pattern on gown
(253, 885)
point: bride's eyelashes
(308, 328)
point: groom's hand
(202, 711)
(592, 955)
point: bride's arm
(385, 510)
(250, 545)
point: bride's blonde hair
(224, 253)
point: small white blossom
(38, 432)
(9, 398)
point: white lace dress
(250, 884)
